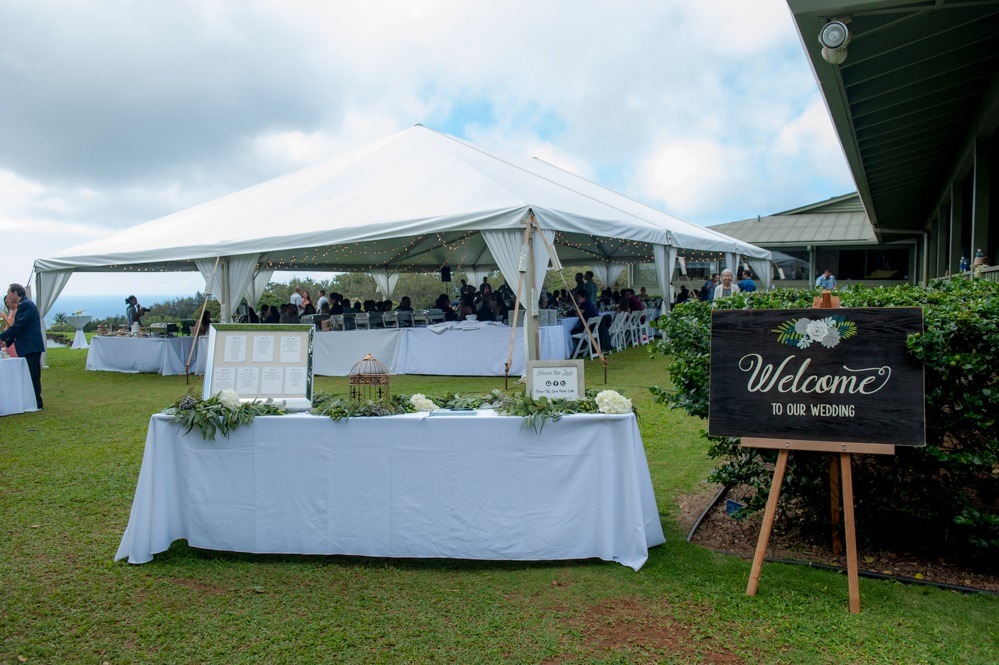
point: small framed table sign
(556, 379)
(261, 361)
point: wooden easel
(845, 452)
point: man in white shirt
(296, 300)
(323, 300)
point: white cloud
(118, 113)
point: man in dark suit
(26, 331)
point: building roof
(919, 84)
(837, 221)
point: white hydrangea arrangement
(421, 402)
(229, 399)
(611, 401)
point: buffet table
(132, 355)
(17, 395)
(427, 486)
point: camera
(143, 311)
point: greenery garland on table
(222, 412)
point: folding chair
(362, 320)
(390, 319)
(584, 340)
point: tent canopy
(416, 200)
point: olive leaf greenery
(212, 417)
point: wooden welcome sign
(824, 380)
(840, 375)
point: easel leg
(768, 523)
(834, 504)
(851, 532)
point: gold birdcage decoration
(369, 380)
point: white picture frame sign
(260, 362)
(556, 379)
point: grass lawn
(67, 476)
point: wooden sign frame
(840, 485)
(261, 361)
(575, 391)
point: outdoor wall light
(834, 37)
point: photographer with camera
(135, 311)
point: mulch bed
(723, 533)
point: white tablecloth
(454, 352)
(132, 355)
(17, 395)
(78, 321)
(470, 487)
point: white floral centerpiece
(611, 401)
(422, 403)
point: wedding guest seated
(485, 311)
(272, 315)
(386, 306)
(289, 313)
(336, 303)
(405, 305)
(466, 306)
(444, 305)
(252, 316)
(310, 309)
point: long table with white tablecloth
(428, 486)
(445, 349)
(17, 394)
(132, 355)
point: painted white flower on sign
(827, 332)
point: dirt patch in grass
(641, 627)
(723, 533)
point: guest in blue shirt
(26, 332)
(747, 283)
(826, 280)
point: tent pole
(204, 306)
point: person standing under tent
(726, 288)
(26, 332)
(590, 286)
(746, 284)
(296, 300)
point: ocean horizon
(103, 306)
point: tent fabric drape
(385, 282)
(732, 261)
(476, 275)
(762, 270)
(504, 245)
(239, 276)
(542, 257)
(665, 258)
(49, 285)
(257, 287)
(608, 273)
(212, 275)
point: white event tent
(415, 201)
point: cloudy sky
(113, 113)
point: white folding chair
(420, 319)
(336, 322)
(617, 331)
(405, 319)
(584, 340)
(390, 319)
(362, 320)
(435, 315)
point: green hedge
(944, 497)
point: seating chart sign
(556, 379)
(839, 374)
(261, 361)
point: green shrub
(944, 497)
